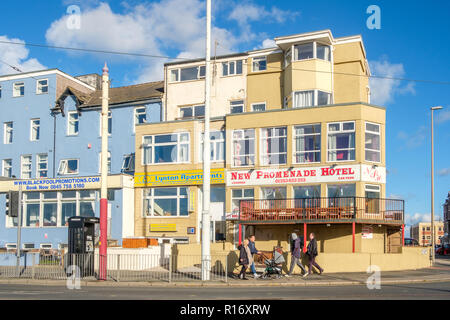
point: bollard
(118, 267)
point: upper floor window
(26, 167)
(323, 52)
(288, 57)
(42, 86)
(217, 146)
(166, 202)
(310, 98)
(237, 106)
(307, 143)
(72, 123)
(7, 168)
(260, 106)
(313, 50)
(186, 74)
(18, 89)
(108, 162)
(273, 145)
(68, 166)
(35, 125)
(372, 142)
(244, 147)
(8, 132)
(259, 64)
(192, 112)
(341, 141)
(109, 123)
(42, 166)
(140, 115)
(128, 162)
(166, 148)
(231, 68)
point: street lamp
(432, 183)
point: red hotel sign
(299, 175)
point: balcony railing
(343, 209)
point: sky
(413, 42)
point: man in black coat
(296, 249)
(312, 254)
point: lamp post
(432, 184)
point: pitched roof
(133, 93)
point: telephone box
(81, 245)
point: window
(304, 51)
(323, 98)
(240, 194)
(311, 98)
(288, 57)
(8, 132)
(165, 202)
(217, 146)
(18, 89)
(259, 106)
(72, 123)
(35, 129)
(68, 166)
(273, 145)
(140, 115)
(307, 143)
(128, 162)
(259, 64)
(372, 193)
(186, 74)
(26, 166)
(232, 68)
(372, 142)
(244, 147)
(345, 191)
(42, 166)
(7, 168)
(307, 196)
(273, 193)
(341, 141)
(42, 86)
(100, 162)
(237, 106)
(323, 52)
(192, 112)
(166, 148)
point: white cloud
(243, 13)
(444, 172)
(17, 56)
(443, 115)
(384, 90)
(414, 218)
(267, 43)
(412, 140)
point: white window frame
(6, 166)
(263, 154)
(193, 107)
(214, 147)
(253, 154)
(132, 157)
(151, 197)
(139, 113)
(237, 105)
(242, 197)
(256, 60)
(227, 65)
(39, 161)
(16, 89)
(315, 98)
(314, 43)
(71, 123)
(375, 133)
(66, 166)
(8, 132)
(294, 147)
(39, 86)
(33, 125)
(100, 162)
(259, 103)
(341, 130)
(23, 165)
(178, 72)
(178, 143)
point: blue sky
(413, 42)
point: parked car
(410, 242)
(443, 250)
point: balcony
(323, 210)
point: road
(436, 290)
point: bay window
(165, 202)
(273, 145)
(341, 141)
(307, 143)
(310, 98)
(323, 52)
(217, 146)
(244, 147)
(312, 50)
(372, 142)
(166, 148)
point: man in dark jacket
(312, 253)
(296, 249)
(253, 250)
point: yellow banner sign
(169, 227)
(176, 178)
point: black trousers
(244, 268)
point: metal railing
(120, 267)
(323, 209)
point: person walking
(296, 249)
(312, 253)
(253, 250)
(245, 259)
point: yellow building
(295, 146)
(422, 232)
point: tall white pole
(206, 258)
(104, 176)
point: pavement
(440, 272)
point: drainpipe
(54, 144)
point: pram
(274, 265)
